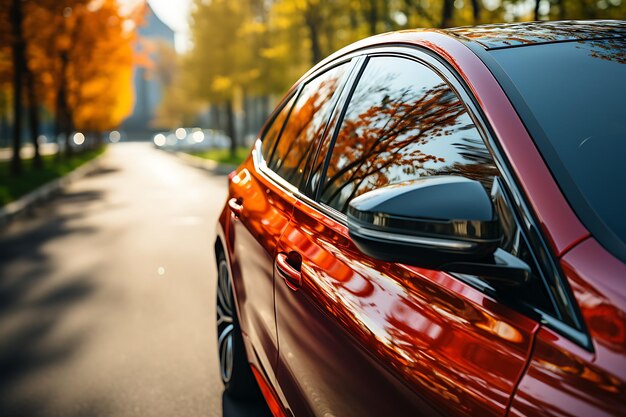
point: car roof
(483, 38)
(498, 36)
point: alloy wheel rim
(225, 325)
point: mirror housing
(444, 223)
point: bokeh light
(78, 138)
(198, 136)
(115, 136)
(159, 139)
(181, 133)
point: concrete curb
(205, 164)
(24, 204)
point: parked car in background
(432, 223)
(191, 139)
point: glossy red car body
(365, 337)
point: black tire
(237, 377)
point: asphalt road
(107, 296)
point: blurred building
(154, 36)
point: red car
(433, 223)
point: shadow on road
(34, 336)
(232, 408)
(101, 170)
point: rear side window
(273, 130)
(402, 122)
(306, 124)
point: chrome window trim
(261, 166)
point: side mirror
(445, 223)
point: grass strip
(223, 156)
(12, 188)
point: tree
(261, 47)
(19, 66)
(177, 108)
(83, 58)
(220, 64)
(75, 57)
(6, 71)
(22, 38)
(100, 64)
(92, 67)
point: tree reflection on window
(306, 125)
(403, 122)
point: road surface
(107, 296)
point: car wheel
(235, 371)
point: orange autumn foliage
(83, 47)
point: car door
(260, 211)
(359, 336)
(261, 196)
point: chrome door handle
(291, 275)
(236, 206)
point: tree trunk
(246, 127)
(589, 10)
(476, 11)
(4, 119)
(230, 120)
(562, 11)
(354, 21)
(33, 115)
(446, 13)
(387, 20)
(266, 106)
(62, 116)
(216, 118)
(99, 139)
(373, 17)
(536, 10)
(18, 66)
(312, 21)
(68, 147)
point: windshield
(572, 98)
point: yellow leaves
(222, 84)
(224, 36)
(253, 28)
(264, 46)
(252, 75)
(278, 51)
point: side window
(403, 122)
(273, 130)
(306, 124)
